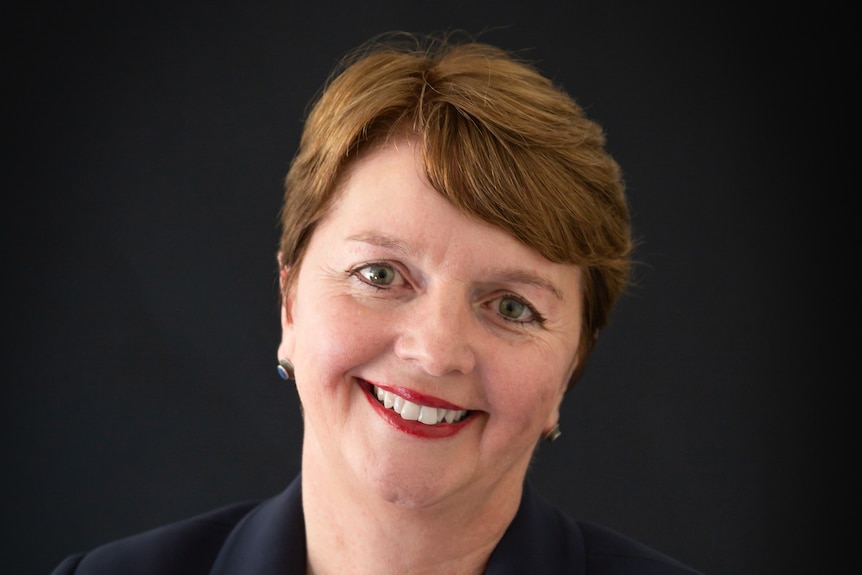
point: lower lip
(415, 428)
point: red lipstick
(416, 428)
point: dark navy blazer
(268, 538)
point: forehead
(386, 192)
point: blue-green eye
(377, 274)
(513, 309)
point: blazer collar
(270, 540)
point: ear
(287, 294)
(284, 295)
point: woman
(454, 238)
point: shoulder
(607, 551)
(186, 547)
(543, 538)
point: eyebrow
(505, 275)
(383, 241)
(524, 277)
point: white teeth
(410, 411)
(414, 412)
(427, 415)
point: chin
(411, 496)
(414, 488)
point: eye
(378, 274)
(518, 311)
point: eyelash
(537, 318)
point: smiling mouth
(414, 412)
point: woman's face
(431, 351)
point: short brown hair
(499, 140)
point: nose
(436, 335)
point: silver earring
(554, 433)
(285, 369)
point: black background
(149, 142)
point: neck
(351, 529)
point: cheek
(332, 336)
(526, 388)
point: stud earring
(285, 369)
(554, 433)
